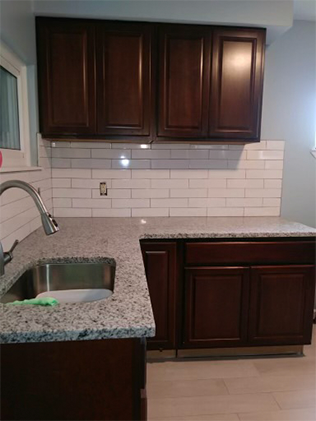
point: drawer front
(230, 253)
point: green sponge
(45, 301)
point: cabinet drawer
(230, 253)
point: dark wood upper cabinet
(184, 65)
(124, 80)
(216, 306)
(281, 304)
(66, 60)
(149, 82)
(160, 260)
(236, 83)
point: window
(14, 117)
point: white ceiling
(305, 10)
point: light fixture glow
(144, 146)
(125, 162)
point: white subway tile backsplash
(268, 211)
(72, 212)
(111, 213)
(167, 179)
(150, 212)
(188, 211)
(150, 193)
(130, 203)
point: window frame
(12, 158)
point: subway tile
(60, 144)
(265, 155)
(263, 192)
(61, 163)
(150, 173)
(169, 203)
(166, 145)
(10, 210)
(272, 202)
(90, 145)
(207, 163)
(225, 212)
(150, 212)
(113, 194)
(109, 174)
(169, 184)
(91, 203)
(89, 183)
(19, 233)
(12, 224)
(262, 211)
(44, 162)
(207, 183)
(78, 193)
(112, 213)
(205, 147)
(187, 211)
(245, 184)
(273, 184)
(226, 193)
(189, 174)
(256, 146)
(275, 144)
(119, 145)
(111, 153)
(61, 182)
(150, 154)
(130, 203)
(295, 399)
(130, 184)
(61, 202)
(263, 173)
(245, 164)
(207, 202)
(236, 155)
(228, 174)
(169, 164)
(91, 163)
(273, 165)
(131, 163)
(307, 414)
(218, 154)
(70, 153)
(150, 193)
(71, 173)
(188, 193)
(72, 213)
(243, 202)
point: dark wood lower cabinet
(160, 260)
(281, 304)
(231, 292)
(216, 307)
(83, 380)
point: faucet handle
(16, 242)
(8, 255)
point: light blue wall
(17, 30)
(289, 112)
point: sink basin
(67, 282)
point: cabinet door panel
(281, 304)
(216, 306)
(237, 78)
(66, 76)
(184, 55)
(160, 265)
(124, 79)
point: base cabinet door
(281, 304)
(216, 307)
(161, 271)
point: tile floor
(258, 389)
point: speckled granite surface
(127, 313)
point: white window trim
(313, 152)
(13, 158)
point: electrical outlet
(103, 189)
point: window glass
(9, 111)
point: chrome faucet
(49, 224)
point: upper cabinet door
(66, 76)
(124, 80)
(184, 65)
(237, 81)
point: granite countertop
(127, 313)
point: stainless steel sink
(63, 277)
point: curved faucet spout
(49, 224)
